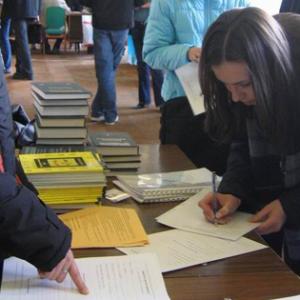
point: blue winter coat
(173, 27)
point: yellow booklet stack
(65, 179)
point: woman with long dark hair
(248, 73)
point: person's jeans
(144, 70)
(23, 55)
(108, 51)
(5, 43)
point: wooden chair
(55, 24)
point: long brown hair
(252, 36)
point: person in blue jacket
(173, 37)
(29, 229)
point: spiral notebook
(163, 187)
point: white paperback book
(110, 278)
(188, 216)
(178, 249)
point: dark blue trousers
(144, 70)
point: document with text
(189, 79)
(124, 277)
(177, 249)
(188, 216)
(105, 226)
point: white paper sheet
(189, 79)
(177, 249)
(188, 216)
(119, 278)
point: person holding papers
(249, 74)
(28, 228)
(173, 37)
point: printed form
(188, 216)
(105, 226)
(177, 249)
(133, 277)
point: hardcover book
(61, 110)
(60, 90)
(66, 121)
(60, 132)
(113, 143)
(58, 102)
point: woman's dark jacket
(257, 173)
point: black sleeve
(7, 141)
(29, 229)
(238, 178)
(87, 3)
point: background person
(249, 75)
(4, 35)
(173, 38)
(45, 4)
(23, 11)
(141, 14)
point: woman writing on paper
(29, 229)
(249, 74)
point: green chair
(55, 24)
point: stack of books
(164, 187)
(61, 108)
(66, 179)
(118, 150)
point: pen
(214, 192)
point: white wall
(271, 6)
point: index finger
(77, 279)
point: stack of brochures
(61, 108)
(65, 179)
(162, 187)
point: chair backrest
(55, 20)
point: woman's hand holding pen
(227, 205)
(272, 217)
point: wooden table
(259, 275)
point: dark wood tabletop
(259, 275)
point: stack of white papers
(133, 277)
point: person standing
(249, 74)
(4, 35)
(111, 22)
(22, 12)
(173, 37)
(44, 5)
(141, 14)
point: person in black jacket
(29, 229)
(23, 11)
(111, 22)
(249, 73)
